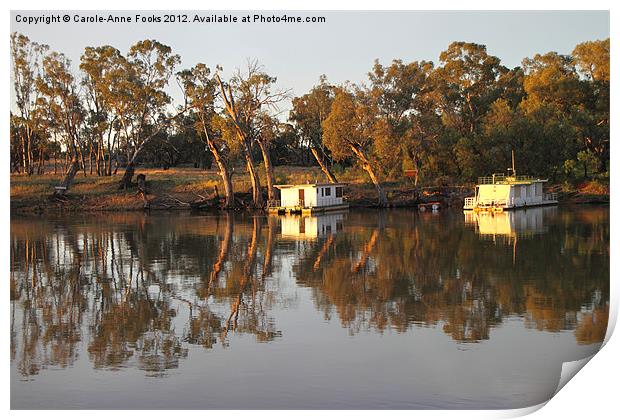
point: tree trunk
(142, 190)
(24, 155)
(99, 156)
(31, 162)
(30, 155)
(328, 173)
(90, 158)
(257, 197)
(264, 148)
(109, 160)
(382, 199)
(74, 167)
(41, 166)
(82, 159)
(118, 164)
(224, 173)
(127, 176)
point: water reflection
(296, 226)
(510, 224)
(143, 291)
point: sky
(344, 48)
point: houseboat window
(328, 191)
(517, 192)
(338, 191)
(538, 189)
(322, 192)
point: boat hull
(514, 207)
(308, 210)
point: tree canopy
(448, 121)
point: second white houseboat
(499, 192)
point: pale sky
(344, 48)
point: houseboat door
(301, 197)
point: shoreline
(402, 199)
(183, 189)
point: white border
(593, 394)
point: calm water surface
(364, 309)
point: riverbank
(192, 188)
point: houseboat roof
(501, 179)
(285, 186)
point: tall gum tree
(264, 133)
(553, 94)
(307, 114)
(246, 98)
(60, 94)
(140, 99)
(592, 61)
(200, 93)
(103, 68)
(399, 91)
(353, 129)
(26, 68)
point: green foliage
(449, 121)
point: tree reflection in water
(140, 291)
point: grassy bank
(177, 188)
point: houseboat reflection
(310, 227)
(510, 225)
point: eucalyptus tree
(461, 89)
(553, 93)
(200, 94)
(246, 98)
(27, 58)
(466, 84)
(104, 68)
(591, 59)
(307, 114)
(140, 100)
(400, 92)
(354, 128)
(265, 132)
(60, 94)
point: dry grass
(184, 184)
(594, 188)
(170, 188)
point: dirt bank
(189, 188)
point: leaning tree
(246, 98)
(355, 128)
(200, 94)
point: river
(362, 309)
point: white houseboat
(309, 198)
(499, 192)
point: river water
(362, 309)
